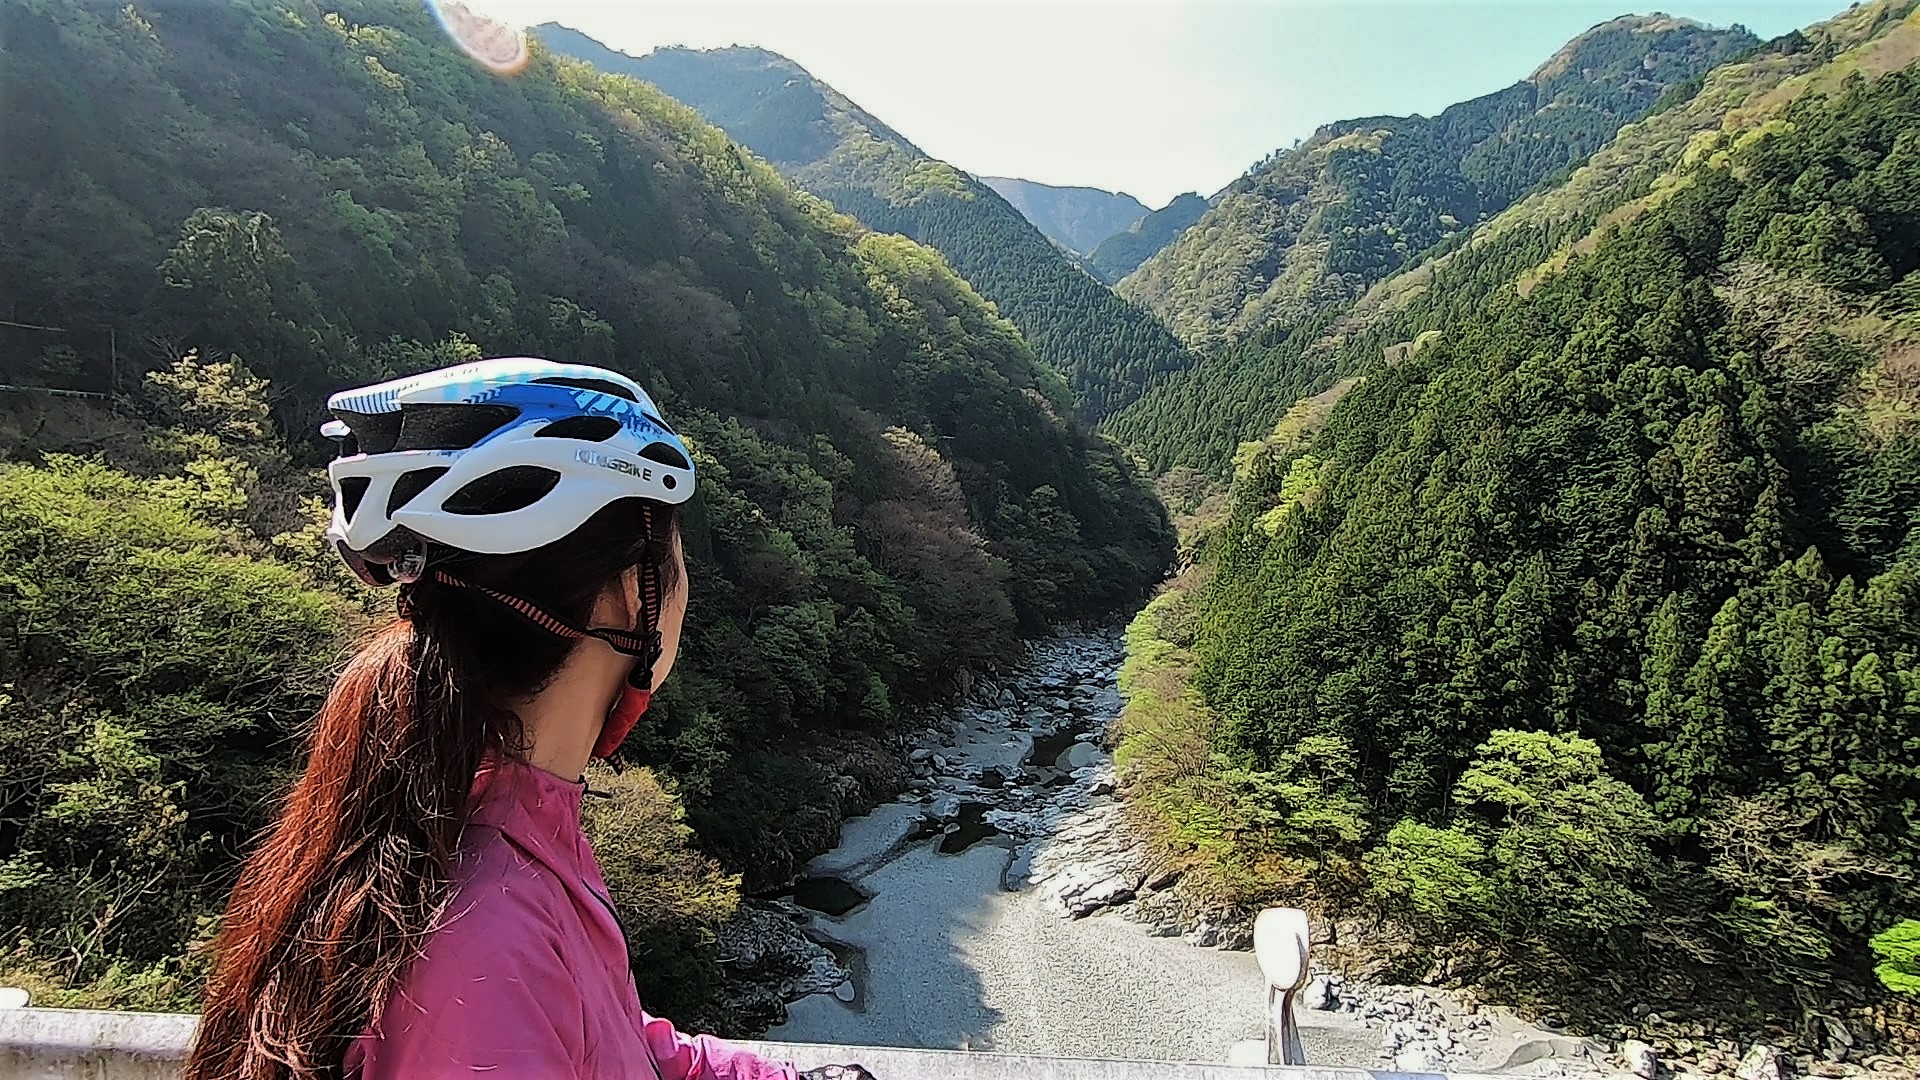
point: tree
(1898, 948)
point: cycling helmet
(493, 457)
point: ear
(619, 605)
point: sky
(1149, 97)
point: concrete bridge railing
(76, 1044)
(73, 1044)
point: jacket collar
(532, 807)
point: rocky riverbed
(1002, 904)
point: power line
(10, 388)
(113, 365)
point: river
(951, 906)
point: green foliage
(887, 471)
(1548, 856)
(1569, 848)
(1434, 878)
(672, 898)
(1195, 419)
(1245, 836)
(1106, 349)
(1898, 948)
(1658, 503)
(155, 667)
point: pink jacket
(528, 975)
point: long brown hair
(354, 875)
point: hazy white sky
(1151, 97)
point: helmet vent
(584, 428)
(373, 432)
(411, 484)
(665, 455)
(352, 490)
(513, 488)
(450, 427)
(604, 386)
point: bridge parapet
(78, 1044)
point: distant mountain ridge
(1123, 252)
(1076, 218)
(1244, 390)
(1319, 223)
(1108, 350)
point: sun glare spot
(498, 45)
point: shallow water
(971, 829)
(1047, 749)
(829, 895)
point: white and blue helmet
(493, 457)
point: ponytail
(341, 896)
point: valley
(1513, 512)
(1003, 903)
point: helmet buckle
(410, 566)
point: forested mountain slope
(891, 487)
(1108, 350)
(1317, 224)
(1583, 640)
(1123, 252)
(1076, 218)
(1240, 392)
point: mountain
(1575, 626)
(1245, 387)
(1076, 218)
(296, 198)
(1108, 350)
(1123, 252)
(1319, 223)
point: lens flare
(499, 46)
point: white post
(1280, 945)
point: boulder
(1640, 1059)
(1015, 823)
(1762, 1062)
(1413, 1061)
(944, 808)
(764, 947)
(1081, 755)
(1082, 890)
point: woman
(427, 905)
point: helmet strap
(643, 645)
